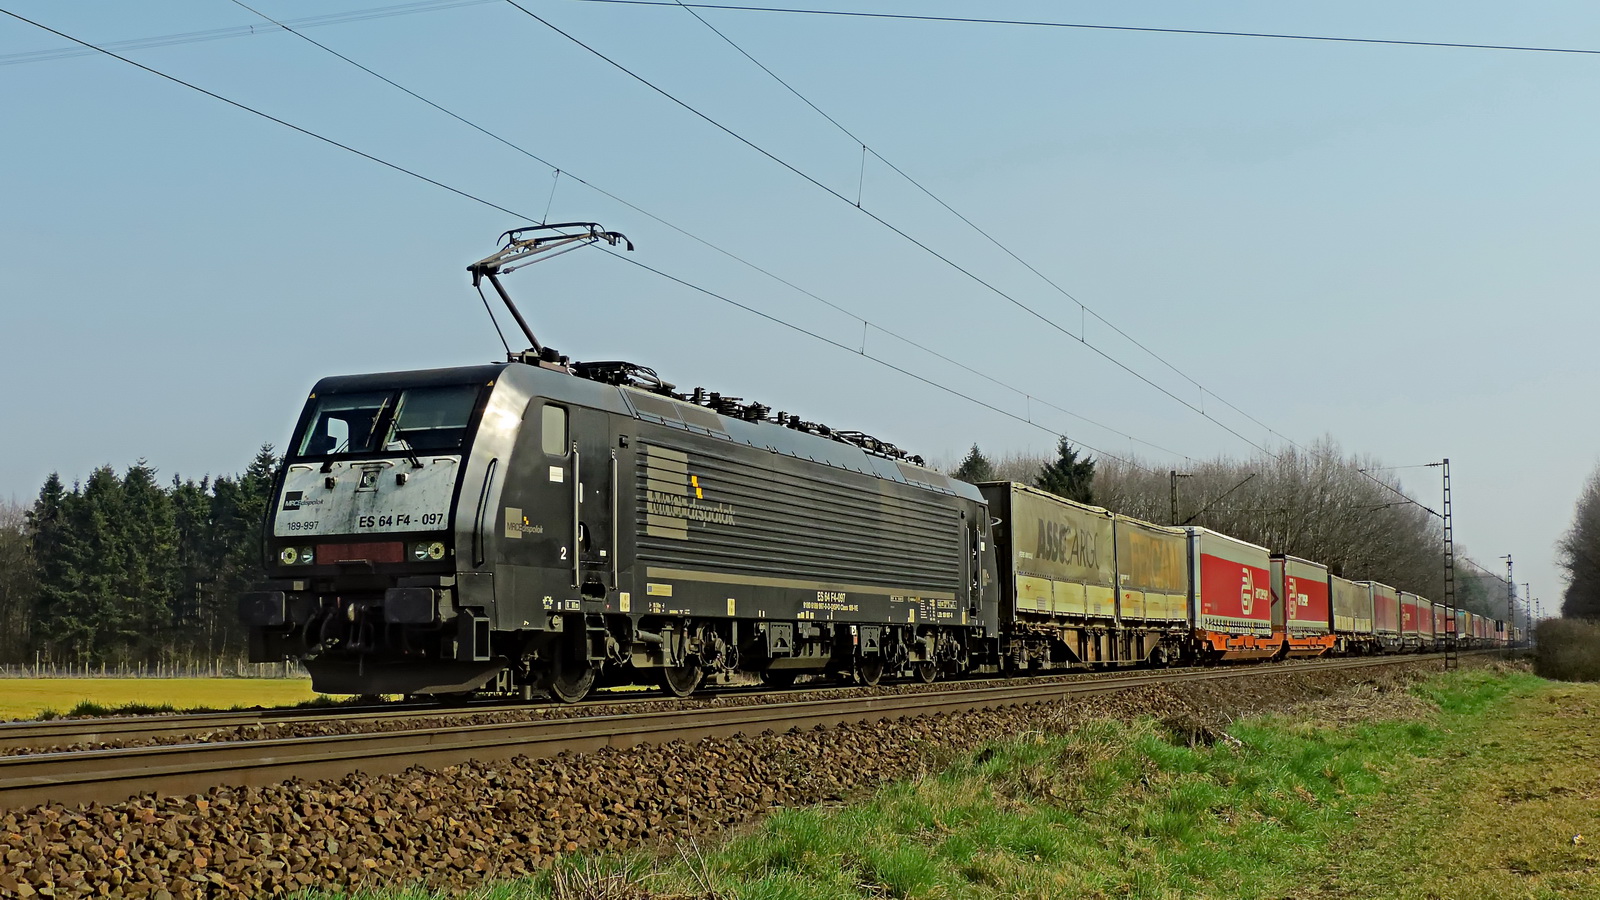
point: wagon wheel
(680, 681)
(778, 679)
(568, 681)
(869, 671)
(926, 671)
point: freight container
(1385, 614)
(1352, 615)
(1410, 620)
(1443, 624)
(1057, 563)
(1301, 619)
(1057, 556)
(1152, 572)
(1230, 596)
(1425, 620)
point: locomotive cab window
(431, 419)
(553, 430)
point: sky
(1390, 246)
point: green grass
(1110, 810)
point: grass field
(25, 698)
(1475, 784)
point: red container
(1231, 595)
(1410, 615)
(1385, 609)
(1300, 597)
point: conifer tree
(975, 467)
(1068, 476)
(147, 540)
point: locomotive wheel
(869, 671)
(568, 681)
(680, 681)
(927, 672)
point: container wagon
(1058, 580)
(1230, 597)
(1385, 615)
(1410, 618)
(1352, 616)
(1301, 616)
(1153, 586)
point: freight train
(541, 526)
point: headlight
(296, 556)
(427, 551)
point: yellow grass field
(23, 698)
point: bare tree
(1578, 551)
(1315, 503)
(17, 581)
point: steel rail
(33, 734)
(39, 734)
(108, 776)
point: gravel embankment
(460, 826)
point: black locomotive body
(515, 527)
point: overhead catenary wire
(403, 9)
(852, 350)
(557, 172)
(881, 221)
(238, 31)
(465, 194)
(268, 116)
(1085, 26)
(433, 5)
(866, 149)
(500, 208)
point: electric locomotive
(541, 525)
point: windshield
(431, 419)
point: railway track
(15, 736)
(189, 768)
(81, 734)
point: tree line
(1317, 503)
(120, 570)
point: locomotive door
(594, 502)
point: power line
(492, 205)
(974, 20)
(865, 148)
(558, 171)
(269, 117)
(881, 221)
(852, 350)
(214, 34)
(690, 8)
